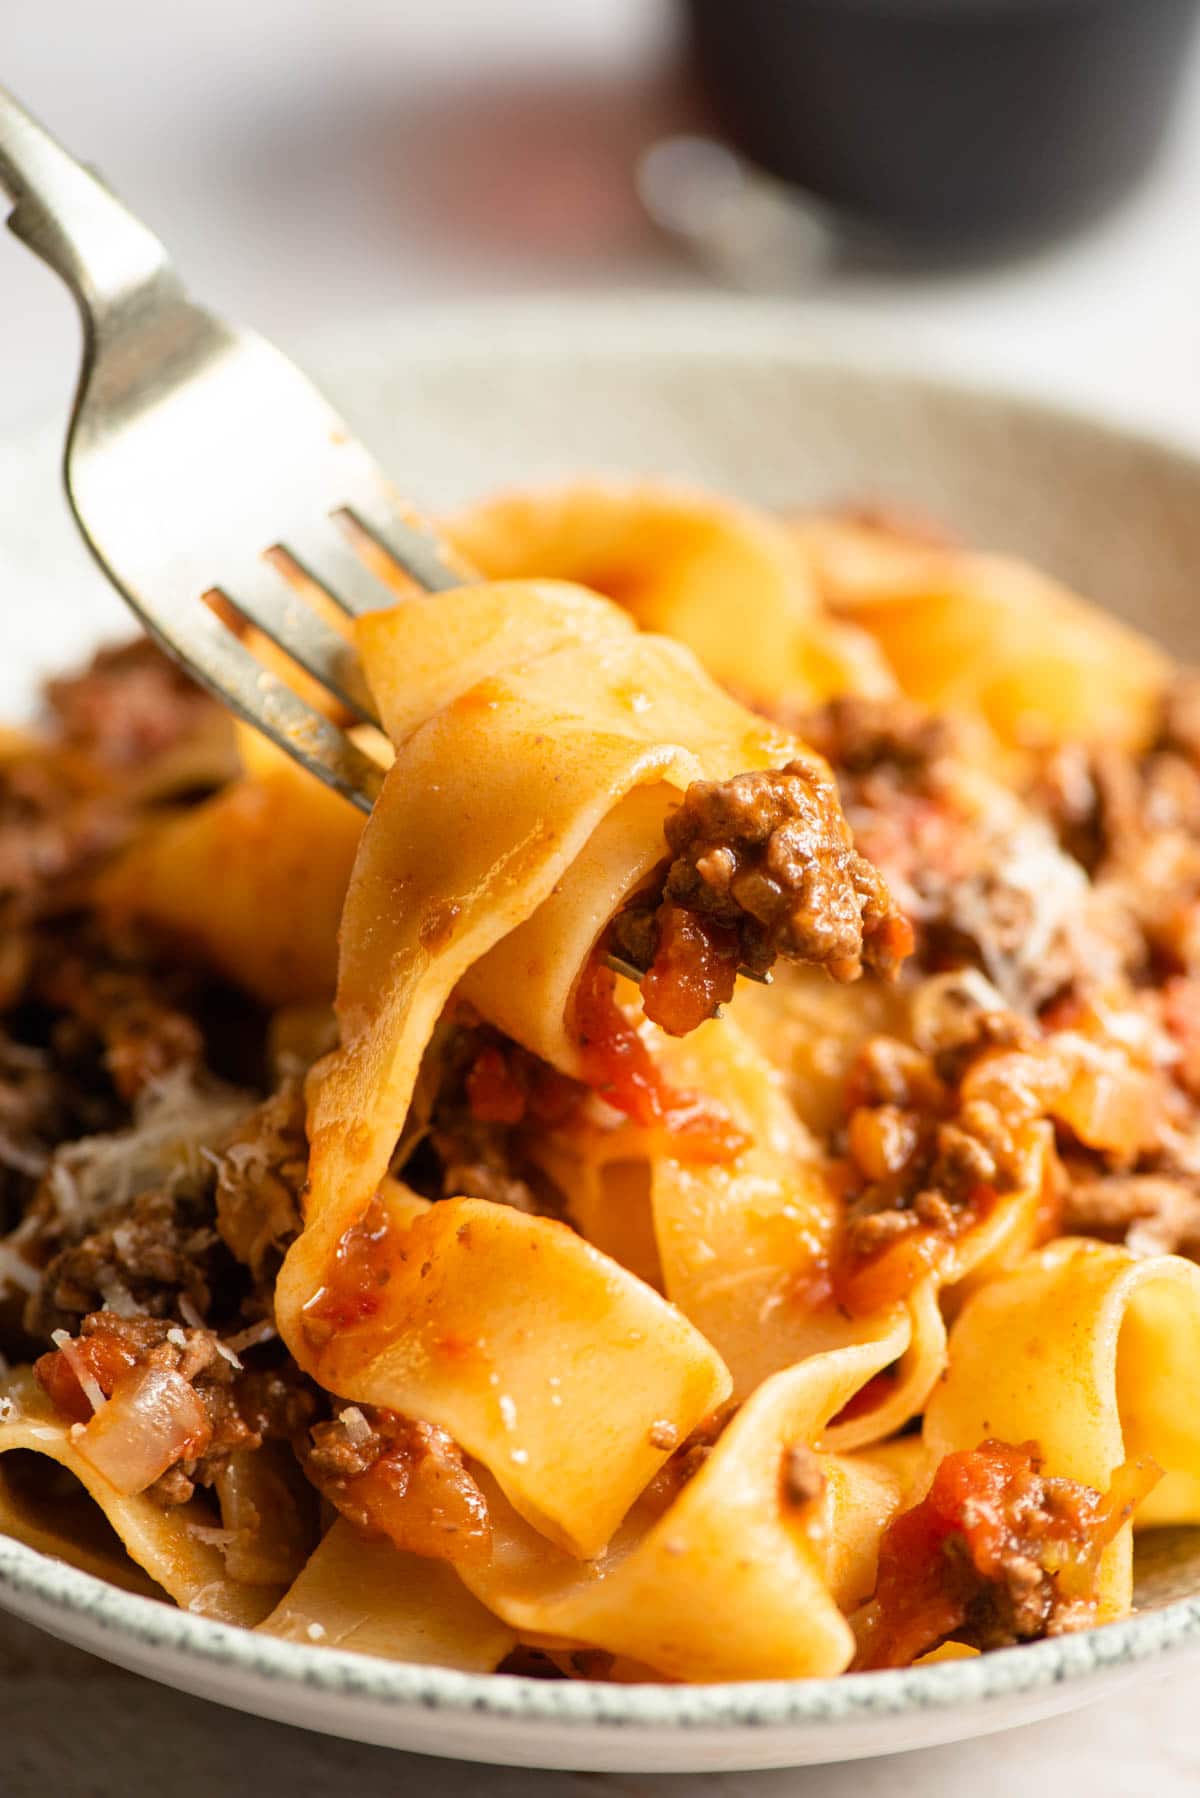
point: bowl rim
(46, 1584)
(635, 325)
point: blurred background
(313, 160)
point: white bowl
(735, 395)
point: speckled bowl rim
(152, 1624)
(636, 325)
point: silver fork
(177, 410)
(201, 462)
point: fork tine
(322, 553)
(406, 540)
(266, 599)
(215, 656)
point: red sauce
(988, 1509)
(357, 1282)
(494, 1094)
(507, 1085)
(618, 1065)
(866, 1284)
(694, 970)
(103, 1355)
(417, 1493)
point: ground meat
(1107, 804)
(54, 826)
(769, 855)
(1134, 822)
(857, 736)
(42, 1104)
(119, 997)
(493, 1100)
(981, 876)
(996, 1554)
(919, 1157)
(476, 1163)
(1152, 1214)
(396, 1477)
(762, 865)
(129, 706)
(160, 1247)
(260, 1179)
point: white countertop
(310, 160)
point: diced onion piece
(153, 1419)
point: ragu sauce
(616, 1063)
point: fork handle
(68, 217)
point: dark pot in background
(947, 124)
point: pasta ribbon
(989, 636)
(1085, 1349)
(685, 563)
(543, 1358)
(742, 1576)
(367, 1596)
(253, 879)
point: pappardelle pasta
(702, 1186)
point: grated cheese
(175, 1122)
(16, 1271)
(189, 1313)
(356, 1425)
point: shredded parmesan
(175, 1122)
(21, 1158)
(119, 1300)
(356, 1425)
(207, 1595)
(79, 1367)
(215, 1538)
(189, 1313)
(263, 1331)
(176, 1336)
(16, 1270)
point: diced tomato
(694, 970)
(987, 1509)
(619, 1066)
(102, 1355)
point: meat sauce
(356, 1287)
(394, 1477)
(104, 1356)
(618, 1065)
(996, 1554)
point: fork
(176, 408)
(201, 465)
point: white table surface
(314, 159)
